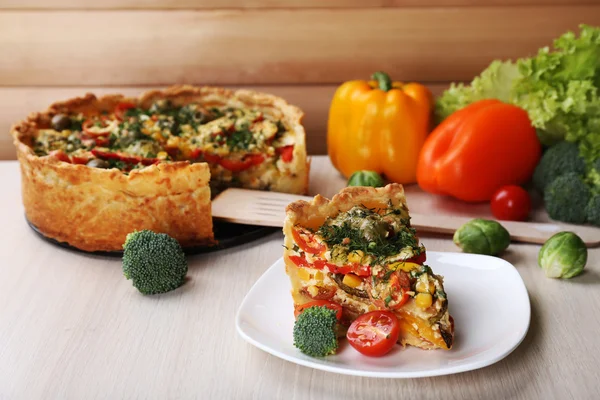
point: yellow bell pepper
(379, 125)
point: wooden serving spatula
(255, 207)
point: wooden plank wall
(299, 49)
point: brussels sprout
(482, 236)
(563, 255)
(366, 178)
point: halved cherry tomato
(356, 269)
(511, 203)
(375, 333)
(319, 303)
(310, 246)
(243, 164)
(299, 261)
(286, 153)
(60, 155)
(91, 128)
(122, 108)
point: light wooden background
(298, 49)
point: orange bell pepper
(380, 126)
(477, 150)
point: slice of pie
(358, 250)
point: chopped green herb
(366, 230)
(388, 300)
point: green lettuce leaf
(495, 82)
(559, 89)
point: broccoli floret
(566, 199)
(315, 332)
(593, 177)
(155, 262)
(593, 210)
(558, 160)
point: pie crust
(94, 209)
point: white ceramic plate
(487, 299)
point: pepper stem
(383, 80)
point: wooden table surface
(72, 327)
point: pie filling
(233, 141)
(367, 259)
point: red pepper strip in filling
(287, 153)
(243, 164)
(309, 245)
(109, 155)
(89, 127)
(122, 108)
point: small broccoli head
(155, 262)
(593, 210)
(315, 332)
(593, 177)
(558, 160)
(566, 199)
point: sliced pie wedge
(359, 251)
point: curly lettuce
(495, 82)
(559, 89)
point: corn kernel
(404, 266)
(313, 290)
(352, 280)
(162, 155)
(173, 142)
(303, 274)
(422, 287)
(423, 300)
(319, 275)
(356, 256)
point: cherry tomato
(308, 244)
(243, 164)
(122, 108)
(298, 308)
(375, 333)
(511, 203)
(287, 153)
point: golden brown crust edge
(313, 213)
(94, 209)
